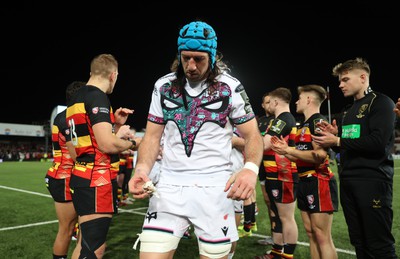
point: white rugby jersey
(197, 140)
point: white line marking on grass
(19, 190)
(134, 211)
(29, 225)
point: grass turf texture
(28, 223)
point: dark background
(267, 45)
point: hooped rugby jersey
(93, 168)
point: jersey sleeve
(98, 107)
(242, 110)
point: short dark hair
(282, 93)
(319, 90)
(72, 88)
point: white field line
(19, 190)
(139, 211)
(29, 225)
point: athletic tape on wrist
(251, 166)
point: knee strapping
(276, 224)
(94, 234)
(158, 242)
(214, 250)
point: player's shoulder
(166, 78)
(91, 91)
(60, 118)
(229, 79)
(382, 99)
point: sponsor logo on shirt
(351, 131)
(96, 110)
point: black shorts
(280, 191)
(59, 188)
(96, 200)
(262, 175)
(317, 195)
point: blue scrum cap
(198, 36)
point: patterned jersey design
(203, 108)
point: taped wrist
(251, 166)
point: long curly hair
(178, 84)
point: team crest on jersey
(361, 111)
(275, 192)
(95, 110)
(278, 126)
(303, 132)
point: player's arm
(316, 156)
(110, 143)
(243, 183)
(267, 142)
(238, 143)
(71, 149)
(121, 115)
(253, 143)
(149, 148)
(149, 151)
